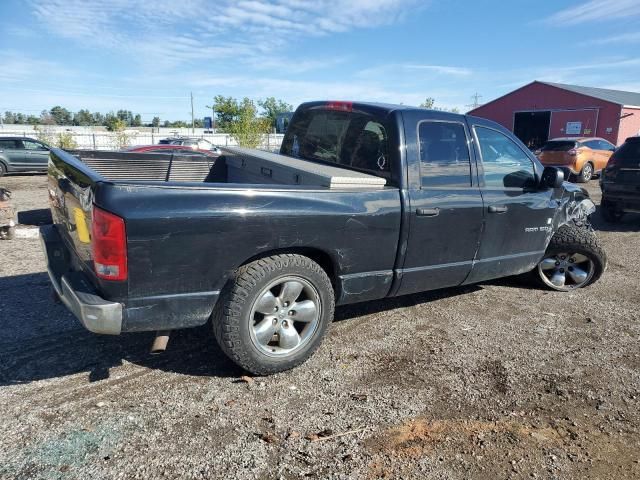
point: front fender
(574, 206)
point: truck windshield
(558, 146)
(352, 139)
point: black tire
(610, 211)
(580, 240)
(585, 174)
(7, 233)
(3, 169)
(232, 317)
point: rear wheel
(586, 173)
(574, 259)
(273, 316)
(3, 169)
(610, 211)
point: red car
(172, 149)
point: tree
(155, 122)
(272, 108)
(9, 118)
(20, 118)
(137, 121)
(60, 115)
(429, 102)
(226, 109)
(97, 118)
(126, 116)
(246, 127)
(32, 120)
(46, 118)
(65, 141)
(83, 118)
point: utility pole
(475, 97)
(193, 130)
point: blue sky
(147, 55)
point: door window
(444, 155)
(604, 145)
(504, 163)
(10, 144)
(31, 145)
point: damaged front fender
(575, 207)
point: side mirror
(552, 177)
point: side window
(30, 145)
(604, 145)
(592, 144)
(444, 155)
(504, 163)
(8, 145)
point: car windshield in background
(558, 146)
(351, 139)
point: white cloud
(152, 31)
(631, 37)
(595, 10)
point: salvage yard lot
(499, 380)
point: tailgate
(554, 158)
(71, 186)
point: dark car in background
(190, 142)
(620, 181)
(22, 154)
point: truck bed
(236, 166)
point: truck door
(445, 206)
(518, 215)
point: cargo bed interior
(236, 165)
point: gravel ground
(500, 380)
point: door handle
(498, 209)
(428, 212)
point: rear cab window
(558, 146)
(353, 139)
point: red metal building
(543, 110)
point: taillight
(340, 106)
(109, 244)
(573, 151)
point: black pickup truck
(364, 201)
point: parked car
(364, 201)
(581, 158)
(195, 143)
(168, 149)
(620, 182)
(22, 154)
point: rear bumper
(160, 312)
(566, 169)
(623, 202)
(74, 290)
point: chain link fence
(117, 140)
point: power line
(475, 97)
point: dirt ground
(499, 380)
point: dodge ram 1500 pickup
(364, 201)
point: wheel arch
(321, 257)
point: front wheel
(574, 259)
(586, 173)
(274, 314)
